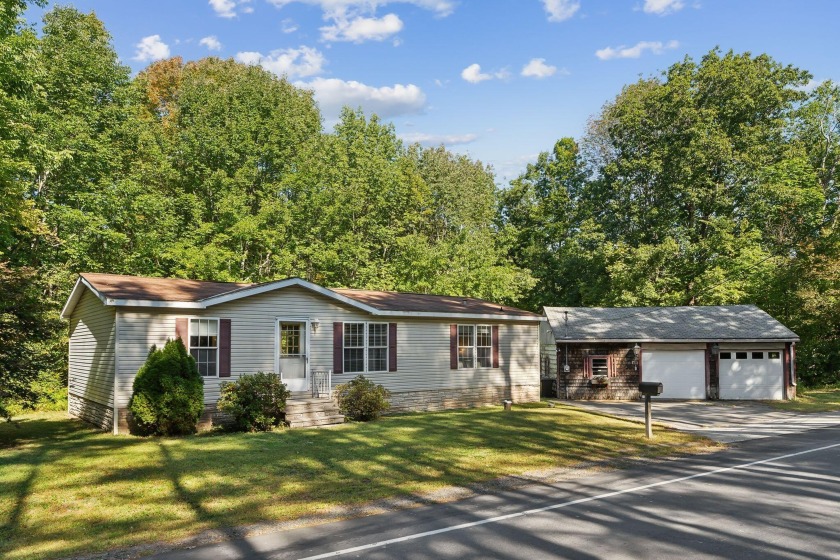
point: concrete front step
(318, 421)
(310, 406)
(292, 416)
(305, 412)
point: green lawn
(813, 400)
(66, 488)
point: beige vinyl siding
(92, 343)
(548, 346)
(422, 344)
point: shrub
(255, 402)
(51, 391)
(168, 396)
(361, 399)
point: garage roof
(710, 323)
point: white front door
(751, 374)
(681, 372)
(293, 362)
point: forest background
(714, 182)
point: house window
(466, 347)
(484, 346)
(377, 351)
(365, 347)
(354, 347)
(599, 365)
(204, 345)
(475, 346)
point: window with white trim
(466, 346)
(475, 346)
(484, 346)
(377, 349)
(365, 347)
(204, 345)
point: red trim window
(599, 365)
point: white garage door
(751, 374)
(681, 372)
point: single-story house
(432, 352)
(696, 352)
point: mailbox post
(649, 389)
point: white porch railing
(321, 384)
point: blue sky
(499, 80)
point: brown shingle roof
(120, 287)
(402, 301)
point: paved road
(770, 498)
(725, 421)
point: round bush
(255, 402)
(168, 396)
(362, 400)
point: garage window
(599, 365)
(758, 355)
(773, 355)
(726, 355)
(740, 355)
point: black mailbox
(650, 388)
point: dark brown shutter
(453, 346)
(338, 347)
(495, 344)
(182, 330)
(392, 347)
(224, 347)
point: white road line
(558, 506)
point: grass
(812, 400)
(68, 489)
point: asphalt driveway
(724, 421)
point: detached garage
(698, 352)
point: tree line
(712, 183)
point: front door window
(292, 359)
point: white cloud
(294, 63)
(561, 10)
(333, 8)
(355, 21)
(438, 139)
(227, 8)
(362, 29)
(637, 50)
(537, 68)
(151, 48)
(211, 42)
(224, 8)
(288, 26)
(388, 101)
(663, 7)
(474, 75)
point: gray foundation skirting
(98, 414)
(211, 417)
(444, 399)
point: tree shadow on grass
(224, 530)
